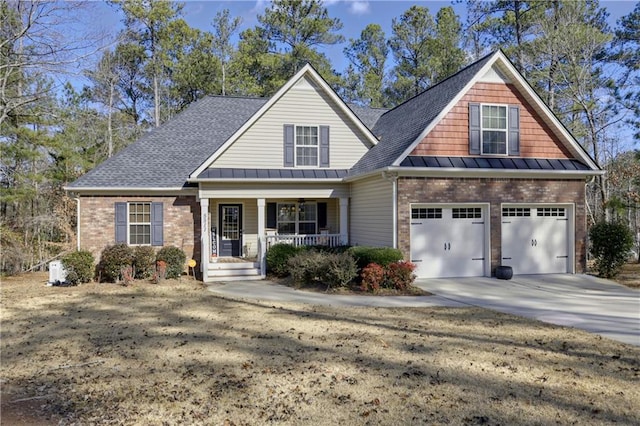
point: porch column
(262, 244)
(205, 237)
(344, 221)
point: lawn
(175, 353)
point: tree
(33, 45)
(627, 40)
(147, 24)
(426, 51)
(224, 27)
(368, 56)
(288, 36)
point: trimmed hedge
(79, 266)
(175, 259)
(113, 260)
(381, 255)
(144, 259)
(278, 257)
(331, 269)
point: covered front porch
(238, 230)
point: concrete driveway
(585, 302)
(581, 301)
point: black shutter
(322, 215)
(272, 221)
(474, 129)
(156, 224)
(324, 146)
(121, 222)
(289, 140)
(514, 130)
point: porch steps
(236, 271)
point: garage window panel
(467, 213)
(551, 212)
(516, 212)
(426, 213)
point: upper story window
(494, 129)
(306, 146)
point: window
(516, 212)
(494, 129)
(467, 213)
(550, 211)
(425, 213)
(139, 223)
(297, 218)
(306, 146)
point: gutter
(479, 173)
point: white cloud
(260, 6)
(359, 7)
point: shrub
(144, 259)
(160, 272)
(79, 266)
(610, 245)
(175, 259)
(340, 269)
(372, 277)
(278, 257)
(112, 261)
(399, 275)
(380, 255)
(328, 249)
(307, 266)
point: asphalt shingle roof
(399, 127)
(167, 155)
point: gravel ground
(174, 353)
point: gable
(304, 104)
(450, 137)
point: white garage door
(535, 239)
(448, 241)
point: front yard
(174, 353)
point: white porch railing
(331, 240)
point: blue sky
(354, 14)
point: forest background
(73, 94)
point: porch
(239, 232)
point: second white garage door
(535, 239)
(448, 241)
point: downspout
(393, 178)
(77, 223)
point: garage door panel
(450, 243)
(535, 239)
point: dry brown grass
(175, 353)
(630, 275)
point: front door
(230, 229)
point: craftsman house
(473, 173)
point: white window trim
(506, 131)
(295, 147)
(129, 223)
(297, 220)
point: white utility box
(57, 273)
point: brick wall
(181, 222)
(495, 192)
